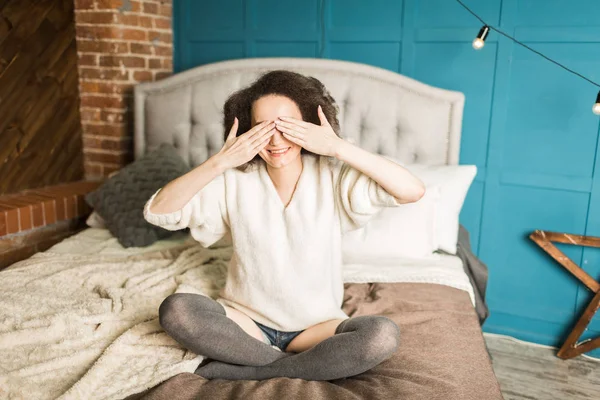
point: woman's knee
(382, 339)
(176, 308)
(172, 310)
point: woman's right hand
(238, 150)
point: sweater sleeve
(205, 214)
(359, 197)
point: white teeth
(279, 151)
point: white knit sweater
(286, 268)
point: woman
(286, 186)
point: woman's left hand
(319, 139)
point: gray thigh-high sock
(201, 325)
(359, 344)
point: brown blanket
(442, 354)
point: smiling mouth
(278, 152)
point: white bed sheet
(443, 269)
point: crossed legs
(200, 324)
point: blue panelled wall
(528, 125)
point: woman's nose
(276, 138)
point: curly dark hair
(306, 91)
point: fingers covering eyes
(260, 130)
(264, 135)
(295, 121)
(257, 128)
(292, 132)
(291, 125)
(293, 139)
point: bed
(79, 320)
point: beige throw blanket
(85, 326)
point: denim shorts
(280, 339)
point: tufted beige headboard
(382, 111)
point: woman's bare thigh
(245, 322)
(313, 335)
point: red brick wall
(119, 43)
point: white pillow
(404, 231)
(95, 221)
(454, 182)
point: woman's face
(279, 151)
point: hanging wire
(524, 45)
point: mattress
(74, 315)
(442, 354)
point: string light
(478, 44)
(479, 41)
(596, 108)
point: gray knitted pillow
(120, 199)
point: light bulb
(479, 41)
(596, 107)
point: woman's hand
(238, 150)
(319, 139)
